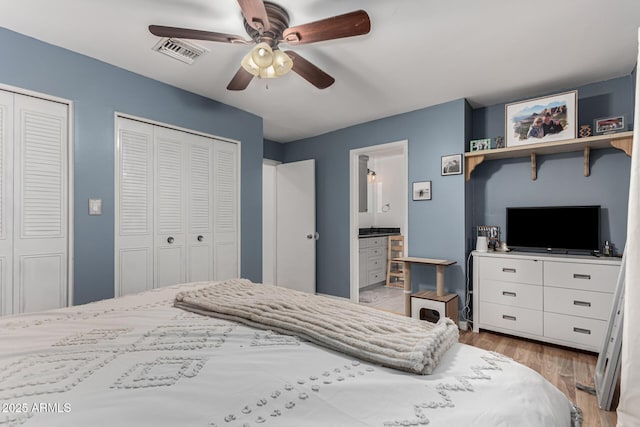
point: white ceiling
(419, 52)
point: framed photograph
(480, 144)
(550, 118)
(608, 125)
(451, 164)
(422, 190)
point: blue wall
(273, 150)
(436, 227)
(497, 184)
(98, 90)
(443, 227)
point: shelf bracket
(534, 167)
(471, 163)
(587, 151)
(624, 144)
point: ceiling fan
(267, 25)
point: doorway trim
(269, 244)
(353, 206)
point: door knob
(200, 238)
(170, 240)
(309, 236)
(314, 236)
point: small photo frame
(451, 164)
(480, 144)
(609, 125)
(422, 190)
(545, 119)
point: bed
(139, 360)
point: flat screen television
(554, 228)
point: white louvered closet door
(170, 219)
(200, 208)
(177, 208)
(226, 212)
(134, 221)
(40, 204)
(6, 203)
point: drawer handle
(582, 276)
(508, 270)
(582, 331)
(507, 317)
(582, 303)
(508, 294)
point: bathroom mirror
(363, 168)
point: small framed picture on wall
(422, 190)
(451, 164)
(608, 125)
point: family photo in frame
(545, 119)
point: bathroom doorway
(378, 209)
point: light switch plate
(95, 206)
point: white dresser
(559, 299)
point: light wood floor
(384, 298)
(559, 365)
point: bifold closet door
(200, 208)
(40, 201)
(177, 208)
(134, 250)
(226, 212)
(170, 205)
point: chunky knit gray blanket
(376, 336)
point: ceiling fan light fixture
(282, 64)
(262, 55)
(250, 66)
(278, 65)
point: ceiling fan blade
(350, 24)
(310, 72)
(186, 33)
(241, 80)
(255, 14)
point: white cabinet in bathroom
(372, 260)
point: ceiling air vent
(180, 50)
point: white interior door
(40, 204)
(296, 226)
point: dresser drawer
(511, 270)
(516, 319)
(377, 276)
(377, 251)
(589, 277)
(587, 332)
(512, 294)
(594, 305)
(370, 242)
(376, 263)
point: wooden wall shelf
(622, 141)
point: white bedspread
(138, 361)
